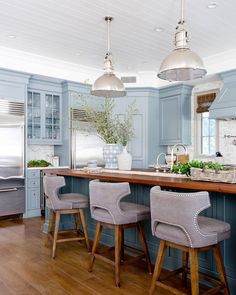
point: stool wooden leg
(158, 265)
(82, 218)
(185, 257)
(122, 245)
(76, 219)
(221, 268)
(51, 218)
(145, 248)
(193, 253)
(95, 244)
(56, 229)
(117, 253)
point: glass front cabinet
(44, 117)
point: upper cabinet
(144, 146)
(175, 114)
(13, 85)
(44, 115)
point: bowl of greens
(38, 163)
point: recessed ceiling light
(11, 36)
(158, 29)
(78, 53)
(212, 5)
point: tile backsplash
(226, 145)
(40, 152)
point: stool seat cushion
(78, 201)
(131, 213)
(175, 234)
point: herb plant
(185, 168)
(111, 128)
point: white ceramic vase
(124, 160)
(110, 152)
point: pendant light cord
(108, 20)
(108, 67)
(182, 21)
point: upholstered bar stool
(108, 210)
(59, 204)
(176, 222)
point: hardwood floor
(26, 266)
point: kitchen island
(223, 207)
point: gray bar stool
(71, 203)
(108, 210)
(176, 222)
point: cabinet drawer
(33, 173)
(33, 198)
(34, 182)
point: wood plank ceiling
(74, 31)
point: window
(206, 129)
(208, 134)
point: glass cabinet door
(34, 115)
(44, 117)
(52, 117)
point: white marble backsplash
(226, 145)
(40, 152)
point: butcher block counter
(223, 207)
(150, 178)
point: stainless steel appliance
(86, 145)
(12, 190)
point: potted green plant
(114, 130)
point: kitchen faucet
(159, 155)
(172, 153)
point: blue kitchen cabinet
(223, 207)
(44, 124)
(13, 85)
(144, 147)
(33, 193)
(175, 114)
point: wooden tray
(228, 176)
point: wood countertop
(150, 180)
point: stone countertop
(164, 181)
(48, 168)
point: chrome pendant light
(108, 85)
(182, 64)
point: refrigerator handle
(5, 190)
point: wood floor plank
(27, 268)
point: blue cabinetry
(44, 113)
(13, 85)
(224, 105)
(33, 193)
(175, 114)
(145, 146)
(223, 207)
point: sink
(168, 174)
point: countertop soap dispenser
(219, 158)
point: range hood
(224, 105)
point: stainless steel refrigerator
(12, 176)
(85, 145)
